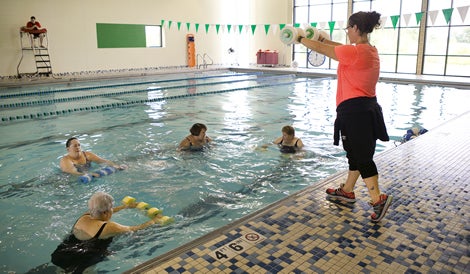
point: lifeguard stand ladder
(41, 55)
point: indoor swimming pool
(140, 121)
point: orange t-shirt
(358, 71)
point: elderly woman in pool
(78, 162)
(92, 233)
(197, 139)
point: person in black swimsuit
(78, 162)
(288, 143)
(197, 140)
(87, 243)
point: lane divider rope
(110, 94)
(13, 95)
(135, 102)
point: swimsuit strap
(99, 231)
(86, 158)
(189, 140)
(78, 219)
(282, 140)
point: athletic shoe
(380, 208)
(340, 194)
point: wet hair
(99, 203)
(69, 140)
(196, 129)
(366, 22)
(288, 130)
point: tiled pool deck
(426, 230)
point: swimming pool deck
(426, 230)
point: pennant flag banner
(463, 12)
(253, 28)
(447, 14)
(419, 15)
(395, 20)
(266, 29)
(433, 14)
(331, 24)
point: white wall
(72, 31)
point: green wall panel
(120, 35)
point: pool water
(140, 122)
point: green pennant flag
(169, 24)
(197, 26)
(448, 14)
(207, 27)
(419, 16)
(217, 27)
(297, 25)
(281, 26)
(240, 27)
(395, 20)
(314, 24)
(332, 27)
(229, 27)
(163, 22)
(266, 28)
(179, 25)
(188, 25)
(253, 28)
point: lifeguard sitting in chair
(34, 29)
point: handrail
(204, 58)
(197, 61)
(205, 62)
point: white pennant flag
(340, 24)
(433, 16)
(274, 29)
(463, 12)
(383, 21)
(407, 18)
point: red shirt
(358, 71)
(30, 24)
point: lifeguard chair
(39, 53)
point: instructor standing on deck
(359, 121)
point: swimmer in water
(78, 162)
(288, 143)
(197, 139)
(87, 243)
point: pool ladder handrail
(204, 60)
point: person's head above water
(196, 129)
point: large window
(417, 36)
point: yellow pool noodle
(128, 200)
(143, 206)
(152, 212)
(164, 220)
